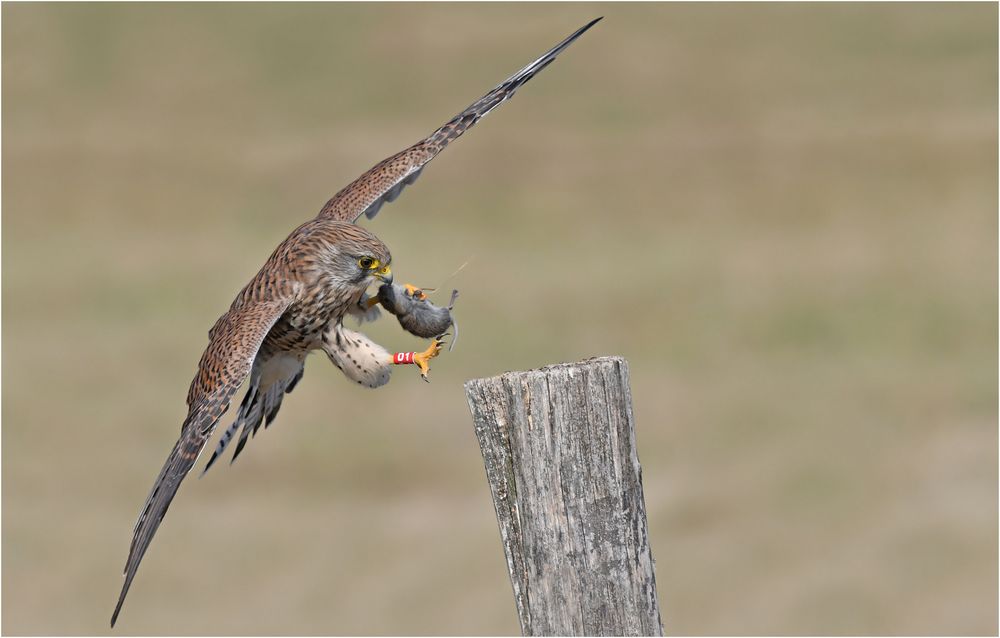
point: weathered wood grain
(560, 454)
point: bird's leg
(420, 359)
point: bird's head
(372, 269)
(356, 258)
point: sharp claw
(422, 359)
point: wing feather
(234, 342)
(383, 182)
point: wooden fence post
(559, 448)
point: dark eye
(367, 263)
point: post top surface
(555, 368)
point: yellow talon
(413, 291)
(422, 359)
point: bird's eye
(367, 263)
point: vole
(416, 314)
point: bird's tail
(259, 406)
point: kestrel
(297, 303)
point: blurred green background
(783, 216)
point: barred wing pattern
(383, 182)
(226, 362)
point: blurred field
(784, 216)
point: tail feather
(259, 406)
(227, 436)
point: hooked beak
(384, 274)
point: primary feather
(383, 182)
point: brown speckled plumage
(298, 299)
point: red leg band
(402, 358)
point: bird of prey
(297, 303)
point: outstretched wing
(383, 182)
(233, 344)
